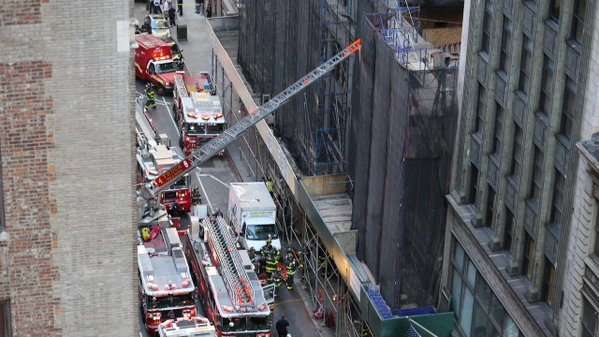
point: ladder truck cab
(166, 286)
(181, 327)
(253, 214)
(198, 112)
(154, 62)
(152, 161)
(229, 289)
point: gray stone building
(67, 237)
(529, 95)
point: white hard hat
(288, 335)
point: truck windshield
(194, 129)
(239, 324)
(170, 301)
(204, 129)
(215, 128)
(159, 24)
(259, 323)
(261, 232)
(164, 68)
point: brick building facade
(67, 187)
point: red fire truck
(229, 289)
(154, 62)
(154, 157)
(151, 163)
(197, 110)
(165, 284)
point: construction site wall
(399, 149)
(278, 44)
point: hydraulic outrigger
(231, 134)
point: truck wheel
(161, 90)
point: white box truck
(252, 213)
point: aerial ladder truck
(232, 268)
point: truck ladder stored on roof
(145, 128)
(229, 260)
(219, 143)
(180, 86)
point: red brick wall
(20, 12)
(24, 145)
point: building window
(589, 319)
(537, 177)
(5, 324)
(568, 113)
(473, 184)
(596, 248)
(478, 310)
(557, 210)
(525, 65)
(489, 215)
(509, 227)
(546, 85)
(498, 129)
(554, 9)
(529, 256)
(506, 45)
(480, 109)
(487, 27)
(549, 278)
(517, 152)
(580, 7)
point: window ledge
(3, 235)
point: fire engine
(166, 287)
(154, 62)
(154, 157)
(197, 110)
(182, 327)
(229, 288)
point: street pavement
(214, 176)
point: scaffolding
(295, 28)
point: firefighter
(270, 185)
(291, 267)
(276, 279)
(271, 266)
(267, 248)
(150, 97)
(323, 265)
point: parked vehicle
(154, 62)
(197, 110)
(166, 288)
(252, 213)
(229, 289)
(156, 25)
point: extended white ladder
(219, 143)
(230, 265)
